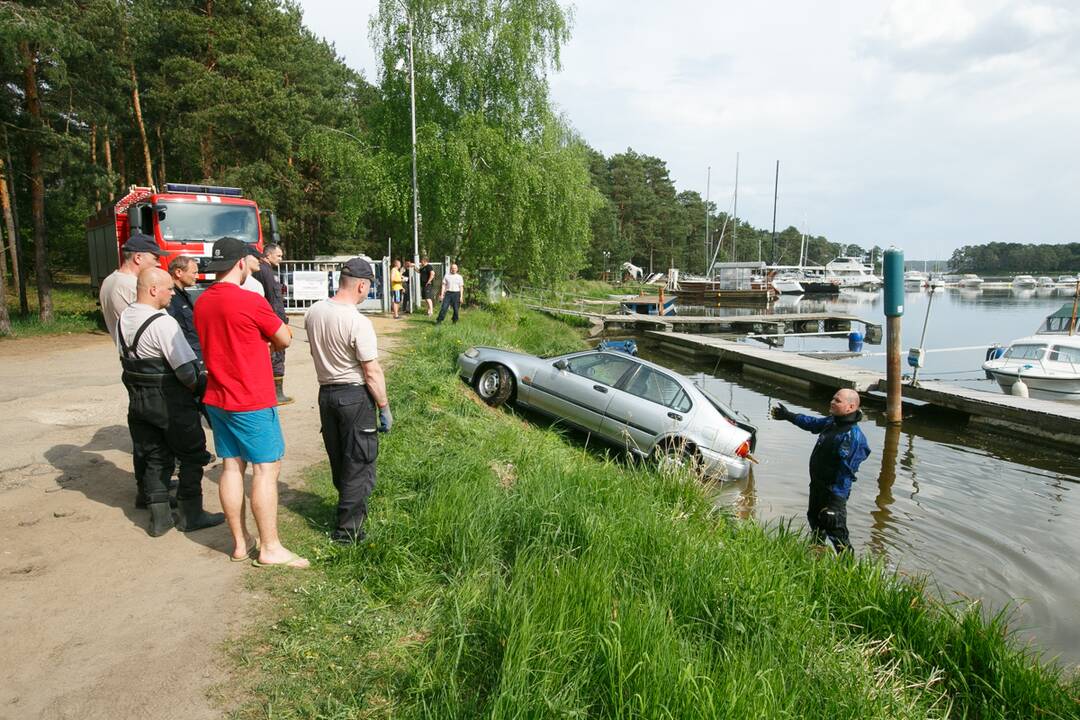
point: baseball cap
(227, 251)
(358, 268)
(140, 242)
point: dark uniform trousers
(349, 427)
(450, 299)
(163, 419)
(827, 517)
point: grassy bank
(75, 310)
(512, 572)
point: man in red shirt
(234, 327)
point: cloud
(950, 36)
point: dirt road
(98, 619)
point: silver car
(650, 410)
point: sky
(921, 124)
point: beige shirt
(118, 291)
(340, 339)
(254, 286)
(453, 282)
(162, 339)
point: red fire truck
(184, 219)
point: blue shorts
(253, 436)
(396, 294)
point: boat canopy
(1059, 321)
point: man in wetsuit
(840, 449)
(162, 376)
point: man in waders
(840, 449)
(162, 376)
(352, 395)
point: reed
(511, 571)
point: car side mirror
(561, 365)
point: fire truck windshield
(206, 222)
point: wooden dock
(1040, 420)
(775, 323)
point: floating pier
(1041, 420)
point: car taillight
(744, 449)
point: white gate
(308, 281)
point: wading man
(840, 449)
(234, 327)
(352, 395)
(162, 377)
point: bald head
(844, 402)
(155, 288)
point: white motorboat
(1045, 282)
(936, 283)
(1067, 279)
(850, 272)
(1048, 362)
(970, 281)
(787, 284)
(916, 278)
(1024, 281)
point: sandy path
(98, 619)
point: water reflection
(884, 500)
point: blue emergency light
(204, 190)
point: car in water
(648, 409)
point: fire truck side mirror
(275, 236)
(135, 219)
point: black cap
(227, 251)
(140, 242)
(358, 268)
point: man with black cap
(352, 394)
(234, 328)
(162, 376)
(273, 289)
(118, 289)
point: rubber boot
(282, 398)
(193, 517)
(141, 504)
(161, 519)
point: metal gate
(416, 292)
(308, 281)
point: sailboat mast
(708, 182)
(735, 212)
(776, 194)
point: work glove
(780, 412)
(386, 420)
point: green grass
(75, 310)
(511, 572)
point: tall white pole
(735, 212)
(412, 108)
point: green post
(893, 265)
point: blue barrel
(854, 341)
(893, 264)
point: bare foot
(281, 557)
(245, 551)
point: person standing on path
(427, 284)
(162, 376)
(118, 290)
(406, 287)
(268, 277)
(352, 395)
(452, 287)
(184, 270)
(397, 284)
(841, 447)
(234, 327)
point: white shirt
(118, 291)
(453, 282)
(254, 286)
(340, 338)
(162, 339)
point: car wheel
(494, 385)
(675, 456)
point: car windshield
(206, 222)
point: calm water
(982, 515)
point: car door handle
(674, 416)
(599, 388)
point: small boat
(915, 278)
(649, 305)
(851, 273)
(970, 281)
(1047, 362)
(1024, 281)
(1067, 279)
(1045, 282)
(936, 283)
(787, 284)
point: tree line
(1000, 257)
(99, 95)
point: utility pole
(412, 115)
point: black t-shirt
(425, 273)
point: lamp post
(412, 114)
